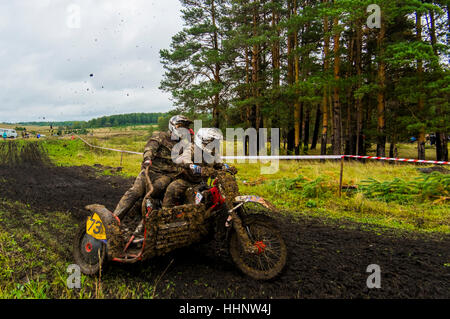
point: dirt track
(325, 260)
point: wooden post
(340, 178)
(121, 157)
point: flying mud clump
(15, 154)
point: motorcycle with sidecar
(212, 211)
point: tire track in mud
(325, 259)
(49, 189)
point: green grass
(76, 153)
(311, 189)
(31, 253)
(303, 188)
(35, 249)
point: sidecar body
(164, 230)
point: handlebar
(148, 182)
(211, 171)
(149, 187)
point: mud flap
(103, 225)
(256, 199)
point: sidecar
(104, 238)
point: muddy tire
(272, 253)
(88, 252)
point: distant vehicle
(10, 133)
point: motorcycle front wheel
(270, 257)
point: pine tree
(194, 63)
(286, 63)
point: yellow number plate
(95, 228)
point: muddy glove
(146, 163)
(196, 169)
(229, 168)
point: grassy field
(298, 187)
(33, 263)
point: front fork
(243, 235)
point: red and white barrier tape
(397, 159)
(283, 157)
(330, 157)
(296, 157)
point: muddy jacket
(165, 153)
(188, 175)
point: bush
(320, 187)
(425, 187)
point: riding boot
(125, 204)
(131, 196)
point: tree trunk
(444, 147)
(337, 113)
(297, 106)
(306, 130)
(324, 137)
(290, 80)
(315, 136)
(358, 102)
(439, 135)
(349, 126)
(393, 151)
(291, 139)
(255, 114)
(276, 62)
(439, 150)
(381, 107)
(275, 50)
(216, 119)
(421, 139)
(433, 32)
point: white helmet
(178, 120)
(205, 137)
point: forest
(344, 76)
(105, 121)
(120, 120)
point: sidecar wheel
(89, 253)
(270, 259)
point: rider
(206, 144)
(163, 162)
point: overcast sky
(50, 48)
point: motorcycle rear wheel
(271, 257)
(88, 252)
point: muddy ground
(325, 259)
